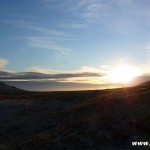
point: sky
(72, 44)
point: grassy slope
(97, 120)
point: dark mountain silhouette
(86, 120)
(144, 84)
(7, 89)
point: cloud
(94, 10)
(3, 62)
(81, 13)
(119, 15)
(124, 16)
(46, 43)
(132, 15)
(40, 79)
(124, 2)
(48, 31)
(87, 69)
(38, 75)
(35, 27)
(75, 25)
(42, 70)
(45, 38)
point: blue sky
(73, 37)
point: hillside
(9, 89)
(84, 120)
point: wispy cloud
(124, 2)
(3, 62)
(124, 16)
(95, 10)
(75, 25)
(45, 38)
(81, 12)
(119, 14)
(35, 27)
(133, 15)
(46, 43)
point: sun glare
(123, 74)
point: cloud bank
(39, 74)
(38, 79)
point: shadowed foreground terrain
(90, 120)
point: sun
(123, 74)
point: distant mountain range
(5, 88)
